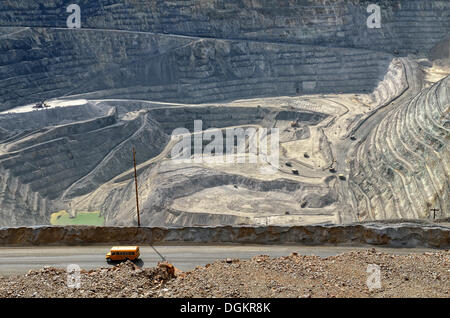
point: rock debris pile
(344, 275)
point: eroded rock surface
(363, 114)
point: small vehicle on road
(123, 253)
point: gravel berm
(344, 275)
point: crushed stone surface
(344, 275)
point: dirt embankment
(123, 280)
(345, 275)
(396, 235)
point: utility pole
(136, 185)
(137, 203)
(434, 210)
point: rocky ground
(344, 275)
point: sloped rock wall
(401, 235)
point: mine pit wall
(148, 138)
(51, 117)
(175, 69)
(408, 152)
(118, 207)
(20, 205)
(46, 133)
(404, 235)
(182, 218)
(44, 62)
(316, 46)
(75, 156)
(336, 22)
(55, 63)
(393, 84)
(63, 158)
(212, 117)
(219, 117)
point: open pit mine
(357, 90)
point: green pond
(82, 218)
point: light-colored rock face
(362, 114)
(402, 168)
